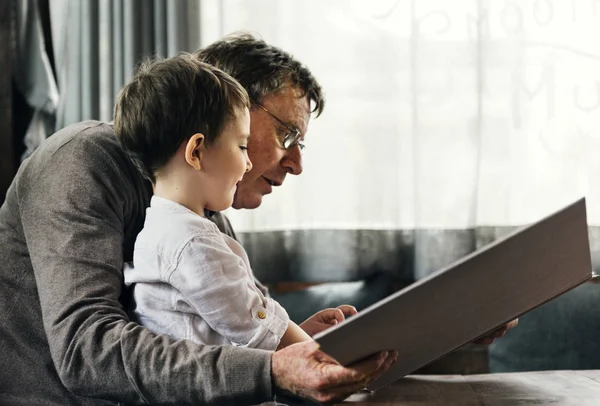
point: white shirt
(191, 281)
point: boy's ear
(194, 149)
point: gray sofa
(561, 334)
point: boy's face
(271, 163)
(226, 161)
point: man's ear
(194, 149)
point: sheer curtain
(447, 124)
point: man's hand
(499, 332)
(324, 319)
(303, 370)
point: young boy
(186, 125)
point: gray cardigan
(69, 221)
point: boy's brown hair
(169, 100)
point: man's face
(271, 163)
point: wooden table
(524, 388)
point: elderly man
(69, 222)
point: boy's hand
(324, 319)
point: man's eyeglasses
(292, 136)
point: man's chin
(247, 202)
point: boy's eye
(243, 147)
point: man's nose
(292, 160)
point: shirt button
(261, 314)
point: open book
(469, 298)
